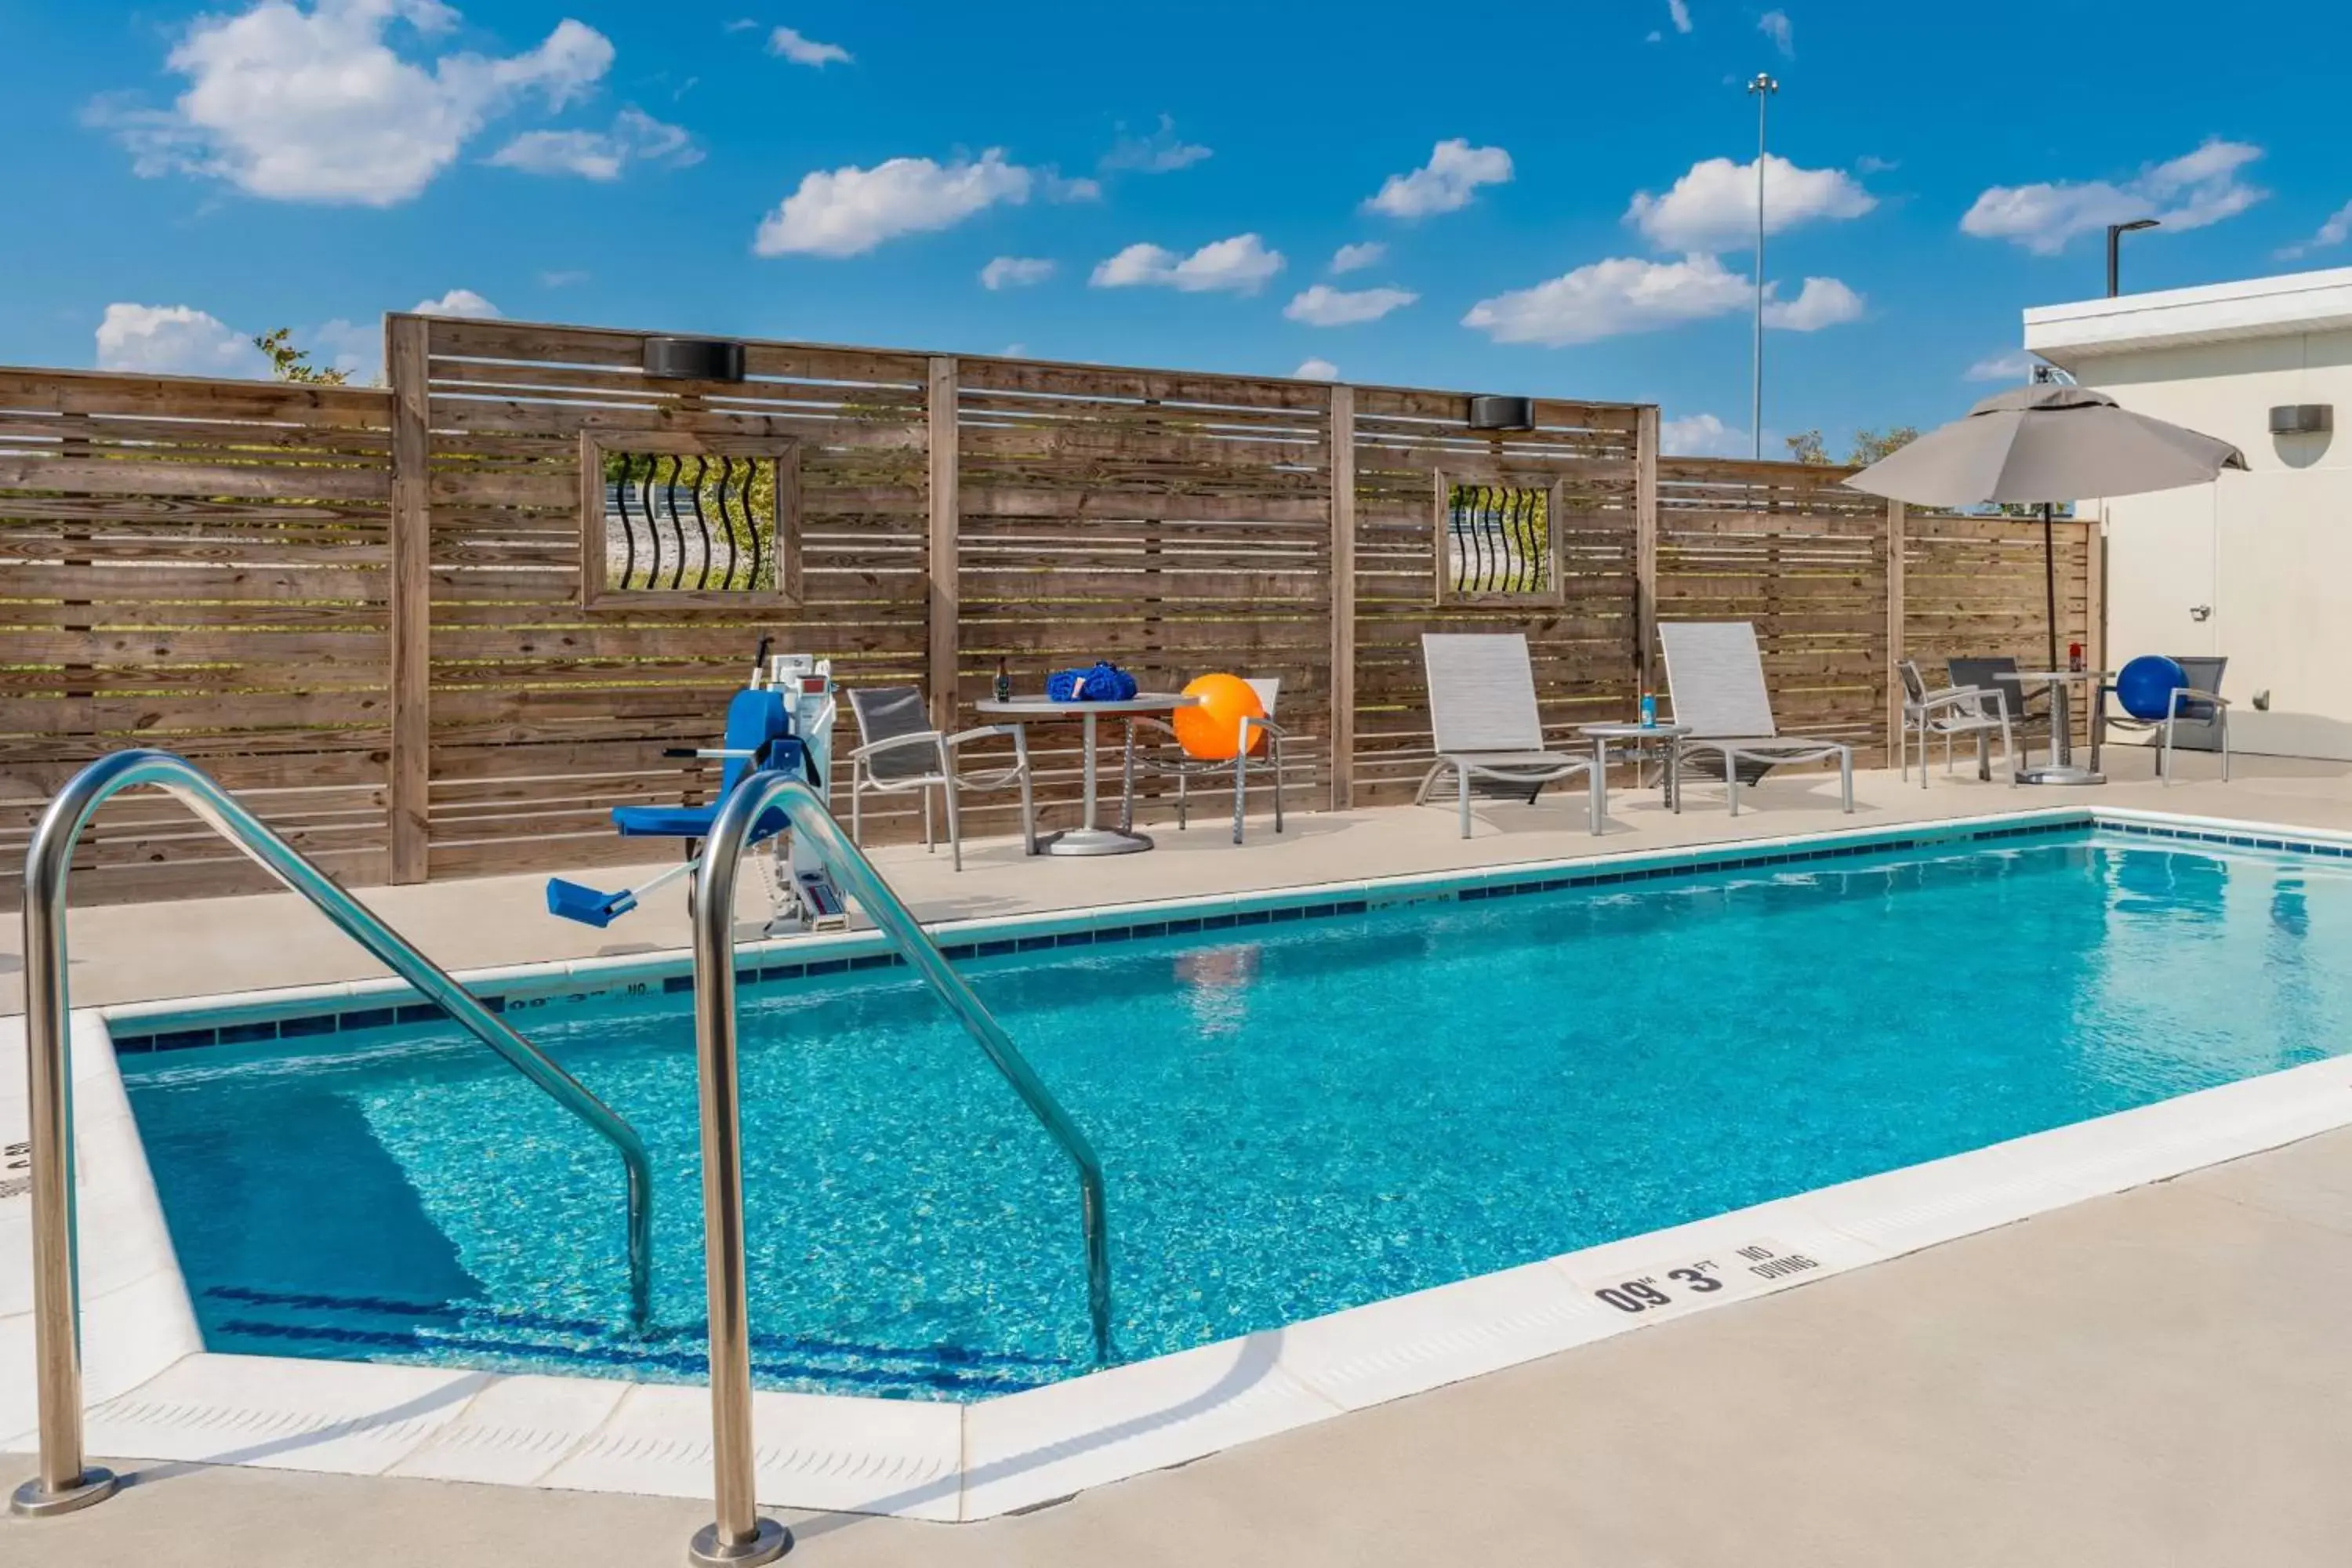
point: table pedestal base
(1093, 841)
(2060, 773)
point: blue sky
(1557, 191)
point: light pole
(2116, 232)
(1763, 87)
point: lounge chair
(1714, 678)
(2197, 718)
(1166, 759)
(1483, 719)
(1950, 712)
(898, 749)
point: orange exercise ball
(1211, 729)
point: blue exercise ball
(2146, 685)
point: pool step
(340, 1327)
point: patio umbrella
(2044, 443)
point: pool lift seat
(782, 722)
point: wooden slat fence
(361, 608)
(202, 566)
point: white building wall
(2270, 551)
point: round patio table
(1090, 838)
(2063, 769)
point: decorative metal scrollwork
(1497, 539)
(688, 521)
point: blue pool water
(1294, 1119)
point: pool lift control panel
(782, 721)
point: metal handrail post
(738, 1535)
(66, 1482)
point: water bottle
(1649, 711)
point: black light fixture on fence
(1502, 413)
(694, 359)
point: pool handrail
(738, 1535)
(66, 1481)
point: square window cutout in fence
(1497, 543)
(671, 518)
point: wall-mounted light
(2302, 419)
(694, 359)
(1502, 413)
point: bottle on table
(1649, 711)
(1003, 683)
(2075, 658)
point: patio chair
(1166, 759)
(2197, 718)
(1993, 674)
(1952, 711)
(1714, 678)
(900, 749)
(1483, 719)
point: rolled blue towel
(1106, 682)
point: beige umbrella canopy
(2041, 445)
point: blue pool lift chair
(2177, 699)
(759, 738)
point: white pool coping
(156, 1395)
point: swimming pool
(1296, 1116)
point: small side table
(1643, 742)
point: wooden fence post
(1645, 547)
(1342, 437)
(2094, 591)
(1897, 540)
(944, 598)
(411, 603)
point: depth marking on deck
(1725, 1273)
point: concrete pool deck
(2158, 1377)
(136, 952)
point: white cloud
(635, 137)
(1160, 153)
(1316, 370)
(790, 44)
(2189, 191)
(1679, 10)
(1869, 165)
(1356, 258)
(1713, 206)
(1241, 264)
(1324, 306)
(1451, 177)
(847, 211)
(562, 277)
(2014, 365)
(1822, 302)
(313, 104)
(1774, 25)
(1606, 298)
(175, 339)
(1015, 271)
(456, 302)
(1058, 189)
(2335, 231)
(348, 346)
(1702, 436)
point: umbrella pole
(2049, 580)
